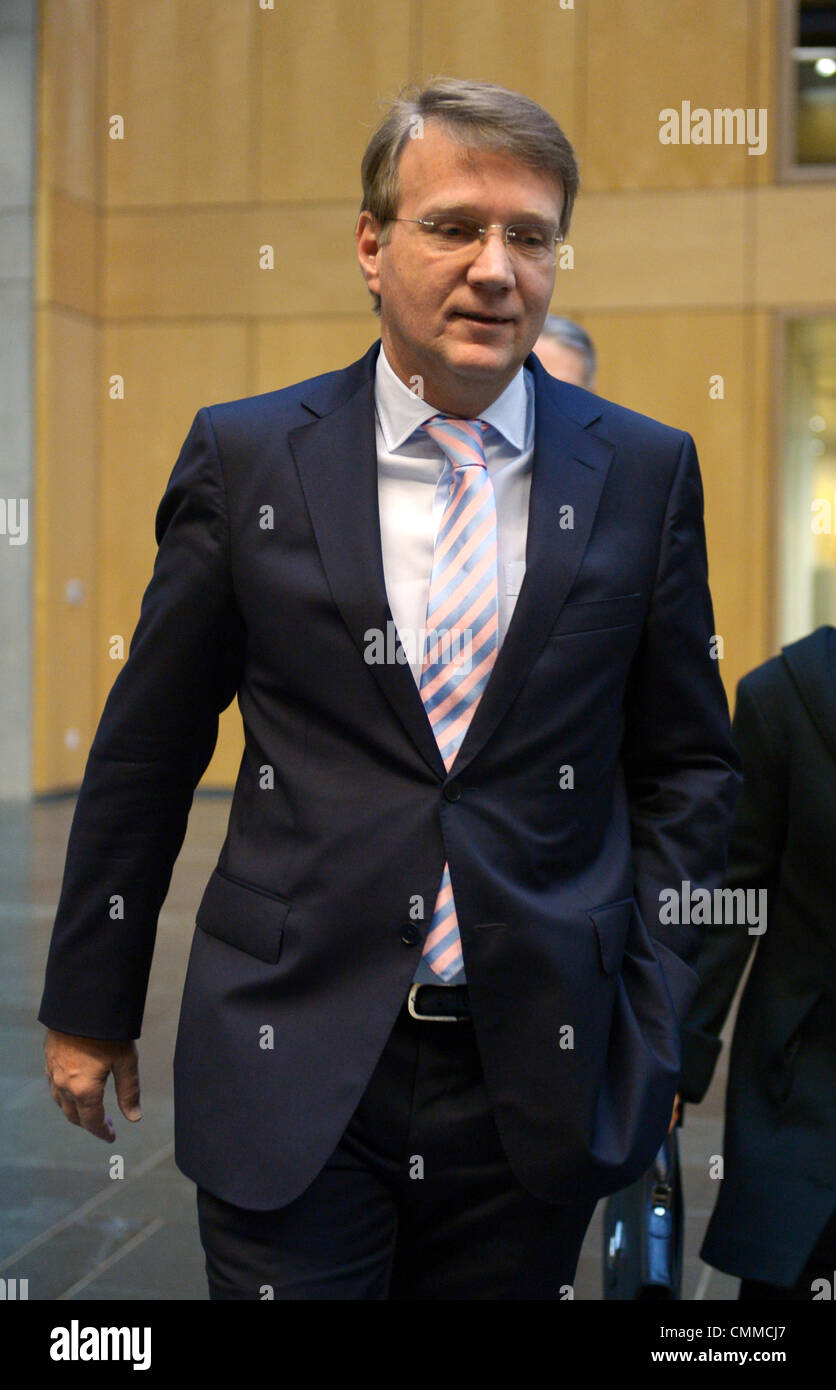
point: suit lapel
(336, 457)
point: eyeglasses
(530, 239)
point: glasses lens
(451, 233)
(531, 240)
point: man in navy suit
(431, 1012)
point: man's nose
(492, 263)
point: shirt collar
(400, 411)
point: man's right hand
(77, 1069)
(677, 1110)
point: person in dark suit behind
(774, 1224)
(431, 1012)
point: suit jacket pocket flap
(243, 915)
(612, 922)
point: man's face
(434, 302)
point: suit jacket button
(410, 934)
(452, 791)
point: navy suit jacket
(597, 771)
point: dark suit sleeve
(681, 768)
(154, 740)
(754, 860)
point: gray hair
(482, 116)
(571, 335)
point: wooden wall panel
(289, 350)
(648, 250)
(661, 364)
(792, 250)
(71, 264)
(179, 72)
(206, 262)
(529, 47)
(70, 135)
(645, 55)
(63, 525)
(321, 68)
(760, 477)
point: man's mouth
(481, 318)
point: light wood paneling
(63, 523)
(760, 470)
(661, 364)
(321, 68)
(647, 250)
(169, 371)
(180, 74)
(792, 251)
(206, 262)
(646, 55)
(529, 47)
(289, 350)
(72, 264)
(766, 51)
(70, 135)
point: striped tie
(462, 625)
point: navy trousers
(416, 1202)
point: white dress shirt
(414, 478)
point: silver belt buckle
(427, 1018)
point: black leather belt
(439, 1003)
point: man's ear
(368, 249)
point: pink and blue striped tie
(462, 631)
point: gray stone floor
(66, 1225)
